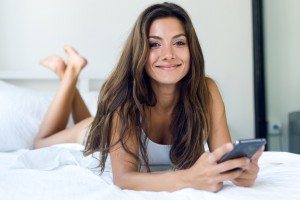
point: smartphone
(244, 148)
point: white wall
(33, 29)
(282, 47)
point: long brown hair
(128, 92)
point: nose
(167, 53)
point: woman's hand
(250, 171)
(207, 174)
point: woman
(157, 107)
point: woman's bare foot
(75, 61)
(55, 63)
(73, 67)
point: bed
(62, 172)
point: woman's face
(169, 57)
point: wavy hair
(127, 92)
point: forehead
(168, 26)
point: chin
(170, 81)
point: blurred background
(282, 70)
(34, 29)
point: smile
(168, 67)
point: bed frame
(84, 83)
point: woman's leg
(79, 108)
(58, 66)
(57, 115)
(75, 134)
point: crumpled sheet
(62, 172)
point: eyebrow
(159, 38)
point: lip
(169, 66)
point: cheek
(186, 60)
(185, 56)
(148, 64)
(152, 58)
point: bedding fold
(62, 172)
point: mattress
(62, 172)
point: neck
(167, 97)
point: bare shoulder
(123, 147)
(117, 133)
(220, 133)
(213, 89)
(115, 127)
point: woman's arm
(219, 133)
(166, 181)
(125, 168)
(205, 174)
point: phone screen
(244, 148)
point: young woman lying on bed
(157, 107)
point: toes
(52, 58)
(53, 62)
(70, 50)
(83, 62)
(74, 59)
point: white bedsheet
(62, 172)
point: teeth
(168, 67)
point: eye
(180, 43)
(154, 44)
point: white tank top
(158, 155)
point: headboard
(84, 80)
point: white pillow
(21, 112)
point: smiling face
(169, 57)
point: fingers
(241, 163)
(217, 154)
(230, 175)
(216, 187)
(251, 169)
(248, 176)
(239, 174)
(257, 155)
(243, 182)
